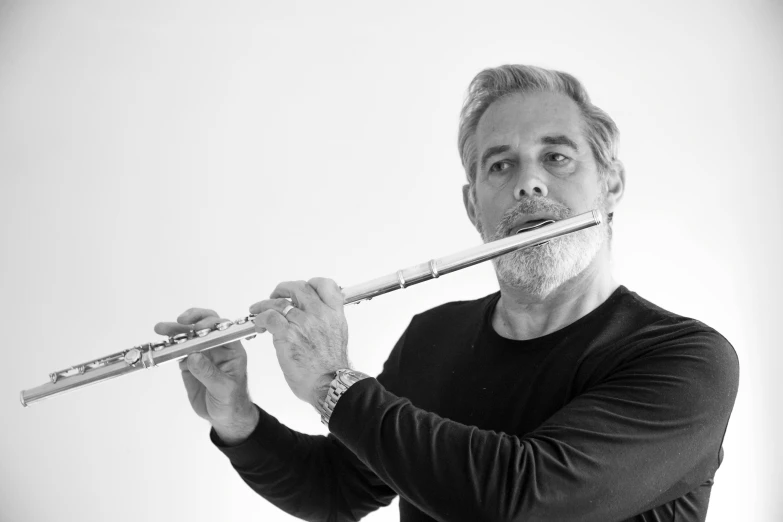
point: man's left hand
(311, 339)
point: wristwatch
(344, 379)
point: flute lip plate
(533, 223)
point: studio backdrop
(161, 155)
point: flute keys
(203, 332)
(132, 356)
(179, 338)
(222, 326)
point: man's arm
(647, 434)
(310, 477)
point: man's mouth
(533, 223)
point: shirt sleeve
(312, 477)
(648, 433)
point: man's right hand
(216, 380)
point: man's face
(534, 163)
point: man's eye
(500, 166)
(556, 157)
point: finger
(328, 291)
(172, 328)
(218, 383)
(226, 352)
(223, 352)
(303, 295)
(169, 328)
(183, 363)
(184, 321)
(193, 315)
(207, 322)
(192, 385)
(278, 304)
(273, 321)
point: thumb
(208, 374)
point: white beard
(540, 270)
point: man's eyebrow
(497, 149)
(559, 140)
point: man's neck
(520, 316)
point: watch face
(348, 377)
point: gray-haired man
(564, 396)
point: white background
(160, 155)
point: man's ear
(614, 185)
(470, 205)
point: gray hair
(490, 85)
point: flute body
(176, 347)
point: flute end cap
(21, 399)
(597, 217)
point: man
(564, 396)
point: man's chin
(541, 270)
(537, 286)
(531, 275)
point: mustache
(527, 207)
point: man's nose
(529, 184)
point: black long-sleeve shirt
(618, 416)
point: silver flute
(181, 345)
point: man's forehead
(519, 118)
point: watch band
(343, 379)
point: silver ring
(287, 309)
